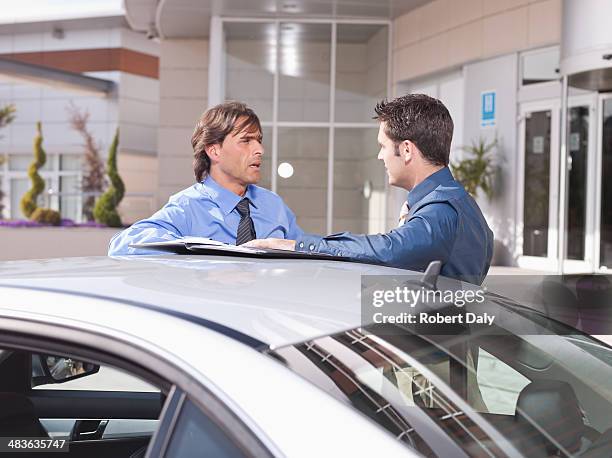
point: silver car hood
(275, 301)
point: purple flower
(64, 223)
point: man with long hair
(224, 204)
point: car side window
(194, 433)
(105, 379)
(40, 403)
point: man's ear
(213, 152)
(406, 150)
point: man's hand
(277, 244)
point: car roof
(274, 301)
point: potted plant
(477, 170)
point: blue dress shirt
(444, 223)
(207, 209)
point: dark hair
(214, 125)
(423, 120)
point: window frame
(217, 91)
(536, 52)
(52, 177)
(173, 411)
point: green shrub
(46, 216)
(28, 202)
(105, 210)
(478, 171)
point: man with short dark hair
(442, 222)
(224, 204)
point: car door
(111, 339)
(110, 411)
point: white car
(181, 356)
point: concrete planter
(53, 242)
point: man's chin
(253, 178)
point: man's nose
(380, 154)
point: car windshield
(471, 394)
(590, 345)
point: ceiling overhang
(22, 72)
(191, 18)
(140, 14)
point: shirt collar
(428, 185)
(224, 198)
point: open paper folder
(203, 245)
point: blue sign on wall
(487, 110)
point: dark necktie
(246, 229)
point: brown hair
(423, 120)
(216, 124)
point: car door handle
(88, 430)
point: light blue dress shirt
(207, 209)
(444, 224)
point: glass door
(538, 187)
(578, 149)
(580, 222)
(604, 250)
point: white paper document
(194, 243)
(203, 245)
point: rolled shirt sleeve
(425, 237)
(169, 223)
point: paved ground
(528, 290)
(503, 270)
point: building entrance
(539, 172)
